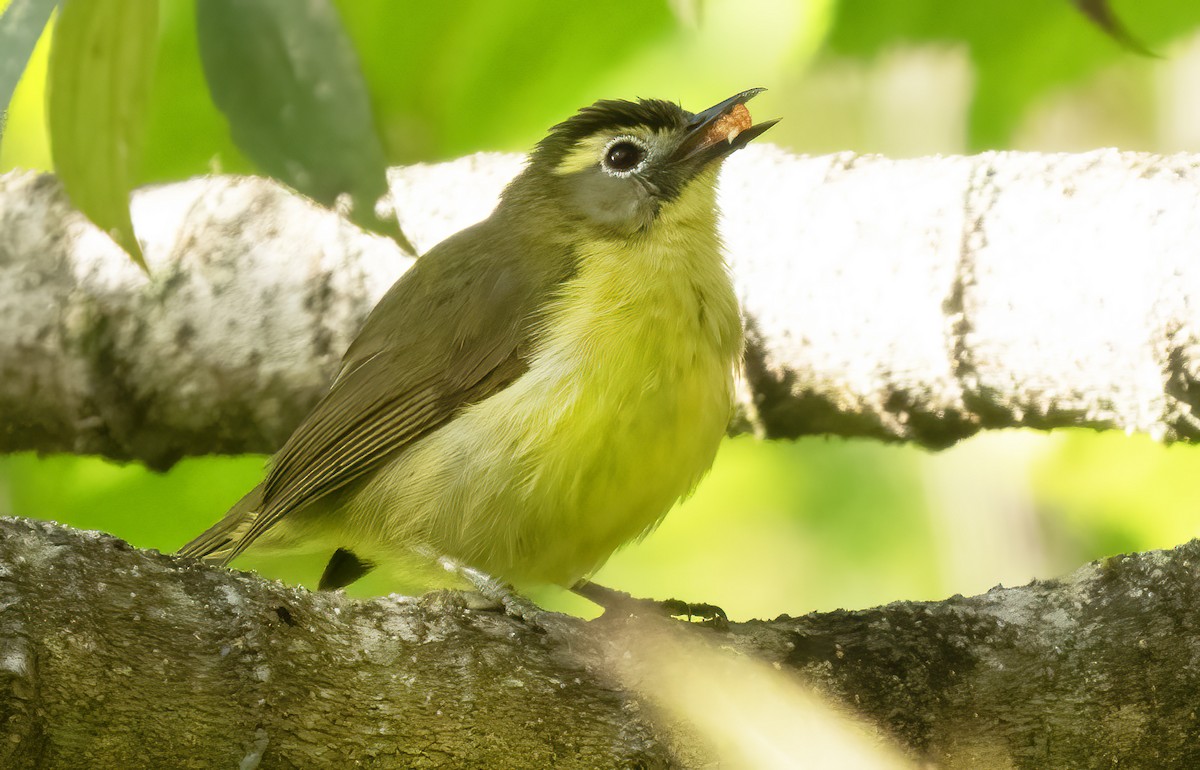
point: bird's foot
(618, 601)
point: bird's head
(620, 165)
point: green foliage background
(781, 527)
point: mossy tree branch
(115, 657)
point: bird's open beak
(721, 129)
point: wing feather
(452, 331)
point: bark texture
(918, 300)
(114, 657)
(117, 658)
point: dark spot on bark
(173, 281)
(927, 663)
(113, 415)
(184, 334)
(320, 295)
(1184, 390)
(932, 429)
(285, 615)
(322, 342)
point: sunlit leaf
(101, 62)
(20, 27)
(286, 77)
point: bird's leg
(618, 601)
(496, 591)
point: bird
(538, 389)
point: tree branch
(115, 657)
(917, 300)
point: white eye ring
(624, 155)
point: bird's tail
(217, 543)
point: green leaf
(101, 62)
(286, 77)
(20, 27)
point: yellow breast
(625, 401)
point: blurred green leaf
(1114, 493)
(1021, 49)
(453, 78)
(186, 135)
(1102, 15)
(288, 80)
(100, 68)
(20, 27)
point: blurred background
(784, 527)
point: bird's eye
(623, 155)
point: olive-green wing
(451, 332)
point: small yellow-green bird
(539, 388)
